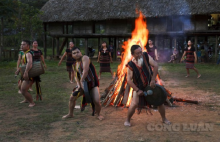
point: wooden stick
(103, 95)
(183, 100)
(120, 93)
(111, 97)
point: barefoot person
(104, 58)
(191, 58)
(84, 71)
(19, 62)
(26, 81)
(37, 57)
(140, 75)
(69, 61)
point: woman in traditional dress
(69, 61)
(104, 58)
(37, 57)
(191, 58)
(152, 50)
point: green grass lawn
(56, 95)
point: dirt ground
(112, 128)
(86, 128)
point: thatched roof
(87, 10)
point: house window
(100, 28)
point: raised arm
(62, 58)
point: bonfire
(119, 93)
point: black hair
(34, 41)
(134, 47)
(74, 48)
(105, 43)
(191, 44)
(27, 41)
(150, 39)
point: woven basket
(36, 70)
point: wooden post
(196, 41)
(98, 43)
(57, 44)
(86, 46)
(67, 43)
(45, 40)
(9, 54)
(116, 46)
(216, 47)
(53, 40)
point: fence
(10, 54)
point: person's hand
(98, 61)
(140, 93)
(59, 63)
(17, 71)
(81, 85)
(78, 87)
(45, 66)
(195, 61)
(181, 59)
(111, 61)
(157, 59)
(25, 76)
(152, 84)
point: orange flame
(129, 97)
(139, 36)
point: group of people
(142, 70)
(84, 71)
(189, 56)
(104, 58)
(26, 57)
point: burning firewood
(183, 100)
(119, 92)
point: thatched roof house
(170, 22)
(88, 10)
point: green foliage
(21, 21)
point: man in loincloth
(84, 71)
(27, 59)
(140, 75)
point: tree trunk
(2, 38)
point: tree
(6, 12)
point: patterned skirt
(69, 66)
(104, 64)
(189, 65)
